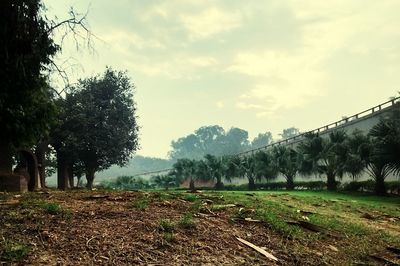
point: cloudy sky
(258, 65)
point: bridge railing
(298, 138)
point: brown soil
(110, 231)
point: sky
(257, 65)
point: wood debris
(258, 249)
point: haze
(257, 65)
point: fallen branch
(394, 250)
(258, 249)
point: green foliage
(289, 132)
(191, 197)
(195, 207)
(128, 182)
(26, 50)
(98, 123)
(166, 225)
(216, 141)
(262, 139)
(51, 208)
(187, 221)
(140, 203)
(165, 181)
(325, 156)
(13, 251)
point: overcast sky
(258, 65)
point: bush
(392, 187)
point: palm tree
(265, 167)
(355, 165)
(287, 162)
(324, 156)
(215, 168)
(253, 167)
(387, 137)
(184, 169)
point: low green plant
(187, 221)
(191, 197)
(168, 236)
(166, 225)
(195, 207)
(140, 203)
(13, 251)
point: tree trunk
(5, 158)
(252, 185)
(331, 182)
(289, 183)
(219, 185)
(192, 188)
(90, 171)
(62, 171)
(79, 179)
(71, 176)
(40, 153)
(380, 187)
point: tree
(289, 132)
(164, 181)
(387, 134)
(214, 168)
(287, 162)
(205, 140)
(253, 167)
(324, 156)
(107, 130)
(265, 167)
(25, 98)
(235, 141)
(263, 139)
(185, 169)
(354, 164)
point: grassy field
(175, 228)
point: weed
(52, 208)
(187, 221)
(168, 236)
(166, 225)
(13, 251)
(195, 207)
(140, 203)
(191, 197)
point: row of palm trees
(377, 153)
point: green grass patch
(13, 251)
(166, 225)
(191, 197)
(187, 221)
(140, 203)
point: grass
(186, 221)
(48, 207)
(13, 251)
(140, 203)
(341, 212)
(166, 225)
(191, 197)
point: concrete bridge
(363, 121)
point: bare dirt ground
(140, 228)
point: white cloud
(210, 22)
(220, 104)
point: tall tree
(263, 139)
(108, 130)
(287, 162)
(289, 132)
(325, 156)
(185, 169)
(25, 98)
